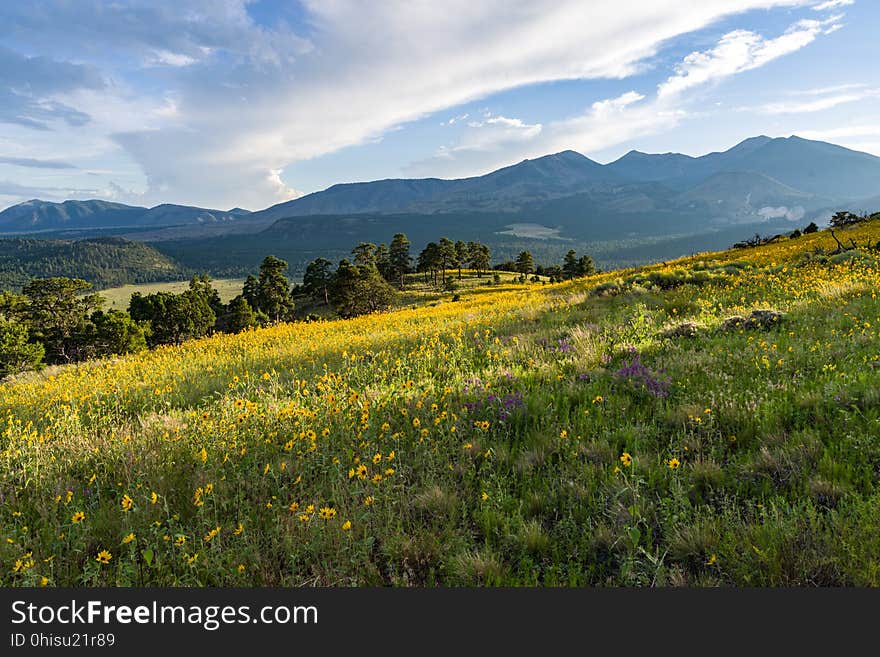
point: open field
(118, 297)
(711, 421)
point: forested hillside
(103, 262)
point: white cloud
(170, 59)
(456, 119)
(795, 213)
(605, 123)
(870, 147)
(817, 105)
(833, 4)
(859, 137)
(255, 99)
(821, 91)
(495, 132)
(610, 122)
(739, 51)
(866, 130)
(628, 116)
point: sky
(249, 103)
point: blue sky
(223, 103)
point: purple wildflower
(641, 376)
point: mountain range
(37, 216)
(791, 172)
(559, 201)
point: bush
(608, 289)
(16, 353)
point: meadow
(709, 421)
(117, 298)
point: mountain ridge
(36, 215)
(792, 176)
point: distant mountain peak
(569, 154)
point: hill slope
(743, 195)
(706, 422)
(104, 262)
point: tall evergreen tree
(273, 294)
(364, 253)
(359, 289)
(317, 279)
(400, 259)
(383, 262)
(479, 257)
(570, 264)
(447, 256)
(251, 291)
(586, 266)
(574, 267)
(202, 285)
(461, 256)
(430, 261)
(525, 264)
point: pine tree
(400, 260)
(446, 255)
(525, 264)
(57, 314)
(240, 316)
(430, 261)
(383, 262)
(570, 264)
(364, 253)
(317, 279)
(273, 294)
(479, 257)
(461, 256)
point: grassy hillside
(713, 421)
(103, 261)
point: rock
(683, 330)
(733, 323)
(763, 319)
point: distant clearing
(532, 231)
(118, 297)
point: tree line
(58, 320)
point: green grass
(567, 435)
(118, 297)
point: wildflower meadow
(709, 421)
